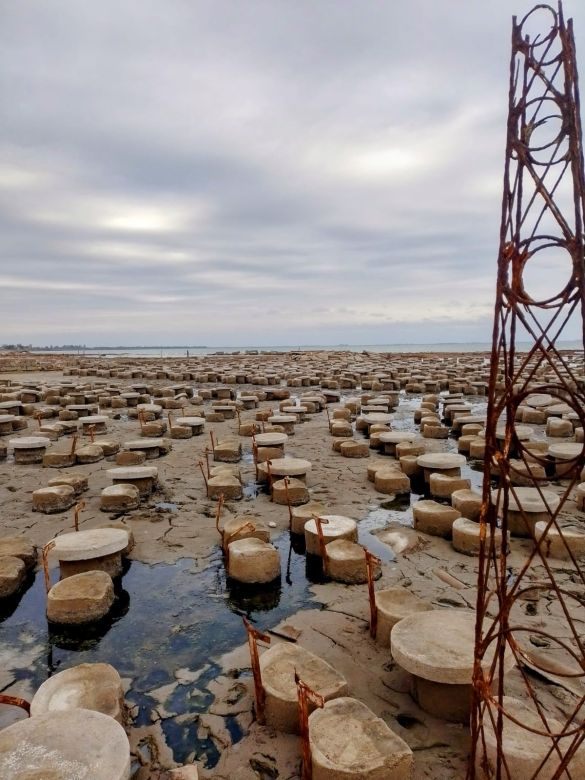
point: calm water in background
(162, 351)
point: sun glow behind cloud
(329, 172)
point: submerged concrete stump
(119, 498)
(76, 743)
(82, 598)
(180, 431)
(227, 451)
(94, 422)
(278, 666)
(294, 492)
(346, 562)
(150, 447)
(349, 742)
(390, 439)
(89, 453)
(555, 546)
(336, 444)
(29, 449)
(286, 422)
(96, 687)
(375, 466)
(437, 649)
(447, 463)
(19, 547)
(59, 460)
(143, 477)
(273, 441)
(131, 458)
(341, 428)
(284, 467)
(156, 428)
(51, 500)
(467, 502)
(566, 458)
(225, 484)
(434, 519)
(253, 561)
(391, 481)
(527, 503)
(98, 549)
(301, 514)
(196, 424)
(466, 538)
(337, 527)
(527, 754)
(12, 575)
(354, 449)
(243, 527)
(442, 486)
(78, 482)
(394, 604)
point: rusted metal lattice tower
(530, 606)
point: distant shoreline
(254, 349)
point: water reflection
(166, 617)
(245, 599)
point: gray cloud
(268, 171)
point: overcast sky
(233, 172)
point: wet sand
(178, 524)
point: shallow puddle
(166, 618)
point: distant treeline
(32, 348)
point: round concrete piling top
(11, 405)
(441, 460)
(152, 408)
(538, 400)
(528, 500)
(379, 401)
(93, 419)
(8, 418)
(143, 444)
(558, 409)
(528, 753)
(271, 439)
(349, 741)
(289, 467)
(94, 543)
(281, 661)
(96, 687)
(314, 399)
(395, 437)
(282, 418)
(438, 645)
(190, 421)
(336, 526)
(29, 442)
(453, 407)
(133, 472)
(399, 603)
(523, 432)
(565, 450)
(77, 743)
(377, 417)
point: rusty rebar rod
(543, 172)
